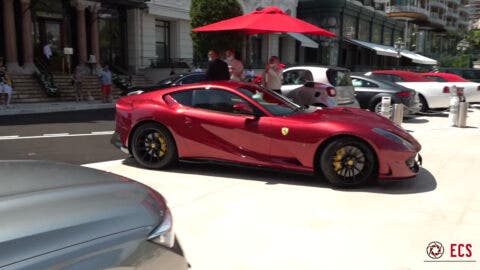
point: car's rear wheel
(153, 146)
(348, 162)
(423, 104)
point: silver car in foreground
(60, 216)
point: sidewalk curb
(52, 107)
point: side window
(298, 76)
(339, 77)
(290, 77)
(384, 77)
(357, 82)
(396, 78)
(370, 84)
(435, 78)
(216, 100)
(363, 83)
(183, 97)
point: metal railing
(45, 78)
(407, 8)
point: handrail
(45, 79)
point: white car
(319, 86)
(471, 90)
(432, 94)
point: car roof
(408, 76)
(450, 77)
(317, 68)
(381, 83)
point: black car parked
(369, 93)
(185, 78)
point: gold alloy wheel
(156, 144)
(348, 161)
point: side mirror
(242, 108)
(309, 84)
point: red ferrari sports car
(245, 124)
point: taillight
(331, 92)
(403, 94)
(446, 89)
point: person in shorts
(106, 82)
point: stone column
(10, 38)
(94, 35)
(29, 65)
(81, 32)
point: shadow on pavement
(423, 182)
(434, 113)
(415, 121)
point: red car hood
(346, 118)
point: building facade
(358, 25)
(433, 27)
(77, 31)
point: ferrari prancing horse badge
(284, 131)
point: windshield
(271, 101)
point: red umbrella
(268, 20)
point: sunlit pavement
(236, 218)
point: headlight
(394, 137)
(164, 234)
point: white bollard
(453, 116)
(398, 114)
(385, 109)
(462, 114)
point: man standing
(235, 66)
(106, 81)
(273, 74)
(217, 69)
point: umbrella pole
(268, 48)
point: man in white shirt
(47, 50)
(273, 74)
(235, 66)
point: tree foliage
(203, 12)
(459, 61)
(473, 38)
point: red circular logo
(435, 250)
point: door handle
(188, 121)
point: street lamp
(399, 45)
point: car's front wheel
(153, 146)
(348, 162)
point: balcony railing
(437, 20)
(456, 2)
(452, 14)
(441, 4)
(406, 8)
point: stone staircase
(92, 83)
(26, 88)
